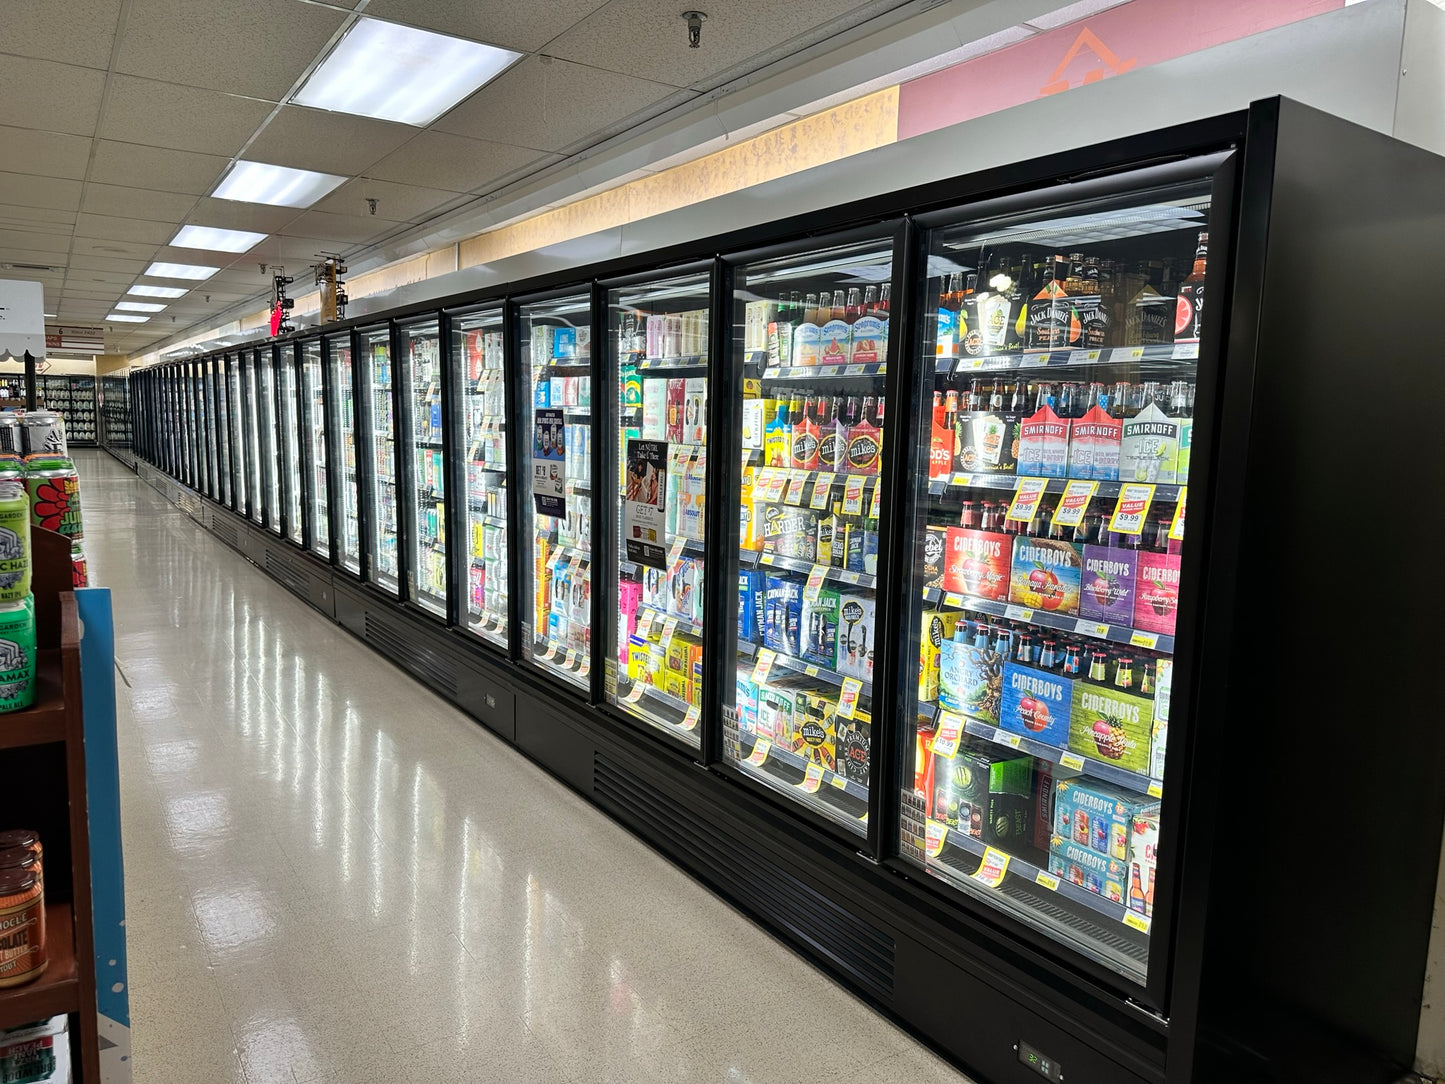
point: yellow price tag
(760, 752)
(936, 833)
(775, 487)
(1026, 500)
(1155, 789)
(1132, 509)
(812, 778)
(814, 586)
(1074, 503)
(1144, 639)
(1073, 761)
(690, 720)
(961, 480)
(1047, 880)
(1091, 628)
(1136, 921)
(764, 665)
(1003, 737)
(635, 693)
(571, 659)
(822, 491)
(876, 505)
(1176, 529)
(853, 495)
(811, 670)
(797, 483)
(836, 780)
(992, 869)
(945, 739)
(675, 552)
(953, 600)
(848, 698)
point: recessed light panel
(277, 186)
(180, 271)
(137, 306)
(157, 291)
(215, 239)
(123, 318)
(392, 72)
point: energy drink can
(14, 541)
(79, 573)
(17, 654)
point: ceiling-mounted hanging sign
(22, 318)
(86, 340)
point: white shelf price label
(853, 495)
(1083, 357)
(812, 778)
(1033, 361)
(1047, 880)
(945, 739)
(1091, 628)
(1132, 509)
(1074, 503)
(797, 483)
(1072, 761)
(763, 666)
(1018, 613)
(822, 490)
(1127, 353)
(1134, 920)
(855, 370)
(1185, 351)
(991, 870)
(1003, 737)
(690, 720)
(937, 832)
(635, 693)
(669, 629)
(1176, 529)
(848, 698)
(760, 752)
(814, 586)
(775, 487)
(1026, 500)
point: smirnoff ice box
(1044, 445)
(1107, 592)
(977, 563)
(1045, 575)
(1150, 447)
(1036, 704)
(1156, 597)
(1095, 445)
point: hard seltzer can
(14, 541)
(42, 433)
(17, 654)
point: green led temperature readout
(1045, 1066)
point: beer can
(11, 456)
(14, 541)
(17, 654)
(79, 573)
(55, 501)
(42, 432)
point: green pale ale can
(14, 542)
(17, 654)
(55, 501)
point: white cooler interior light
(180, 271)
(392, 72)
(216, 239)
(136, 306)
(278, 186)
(157, 291)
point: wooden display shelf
(45, 721)
(55, 992)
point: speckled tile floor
(331, 875)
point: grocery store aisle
(333, 876)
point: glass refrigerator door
(377, 406)
(815, 326)
(657, 336)
(203, 458)
(313, 425)
(293, 487)
(556, 354)
(255, 465)
(1055, 411)
(266, 382)
(478, 350)
(208, 393)
(223, 431)
(239, 445)
(428, 570)
(343, 422)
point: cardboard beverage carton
(1149, 449)
(684, 589)
(790, 531)
(970, 673)
(694, 410)
(1163, 679)
(1036, 704)
(1045, 574)
(1107, 591)
(1043, 810)
(819, 633)
(750, 512)
(854, 745)
(1143, 862)
(935, 549)
(1095, 445)
(938, 626)
(691, 502)
(676, 393)
(654, 408)
(783, 615)
(1156, 598)
(868, 341)
(834, 340)
(1111, 725)
(984, 793)
(814, 729)
(1098, 816)
(855, 635)
(977, 563)
(752, 588)
(1044, 445)
(746, 695)
(989, 441)
(778, 709)
(1086, 868)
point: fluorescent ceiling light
(122, 318)
(157, 291)
(217, 239)
(180, 271)
(136, 306)
(278, 186)
(392, 72)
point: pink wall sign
(1111, 43)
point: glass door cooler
(811, 332)
(240, 457)
(378, 408)
(313, 428)
(1055, 406)
(657, 343)
(555, 442)
(478, 352)
(293, 480)
(255, 464)
(208, 394)
(343, 424)
(266, 412)
(224, 459)
(427, 527)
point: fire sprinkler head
(694, 27)
(371, 202)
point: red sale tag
(945, 740)
(760, 751)
(853, 495)
(937, 833)
(992, 869)
(822, 490)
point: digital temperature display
(1042, 1064)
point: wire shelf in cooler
(560, 657)
(829, 778)
(806, 668)
(654, 615)
(1077, 626)
(938, 487)
(848, 371)
(957, 844)
(582, 414)
(427, 443)
(755, 558)
(581, 365)
(1061, 359)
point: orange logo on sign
(1109, 63)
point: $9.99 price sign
(1132, 510)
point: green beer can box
(17, 654)
(55, 501)
(14, 542)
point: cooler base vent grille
(435, 669)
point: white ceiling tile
(339, 229)
(326, 142)
(33, 257)
(550, 105)
(259, 48)
(455, 163)
(143, 203)
(290, 251)
(34, 241)
(182, 118)
(76, 31)
(13, 217)
(109, 228)
(394, 202)
(49, 96)
(136, 166)
(521, 26)
(48, 192)
(86, 280)
(79, 296)
(45, 154)
(230, 214)
(130, 252)
(86, 261)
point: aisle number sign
(1026, 499)
(1074, 503)
(1132, 510)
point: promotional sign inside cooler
(935, 548)
(1045, 575)
(790, 532)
